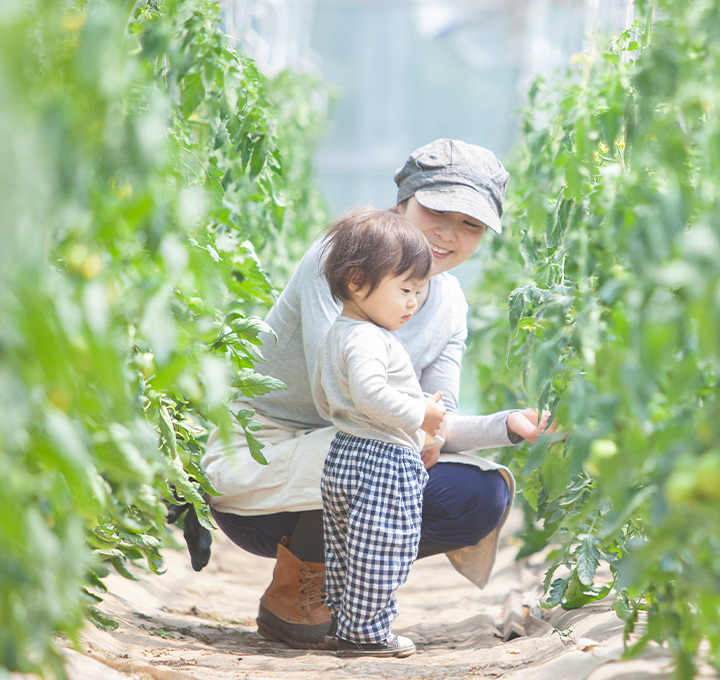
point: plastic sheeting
(405, 72)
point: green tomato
(707, 476)
(145, 363)
(695, 481)
(603, 448)
(76, 256)
(81, 261)
(619, 272)
(680, 487)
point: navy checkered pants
(372, 510)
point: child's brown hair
(366, 245)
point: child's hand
(434, 413)
(526, 424)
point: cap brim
(460, 199)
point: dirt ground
(185, 625)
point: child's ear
(355, 280)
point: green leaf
(103, 622)
(94, 580)
(554, 472)
(167, 431)
(253, 384)
(198, 472)
(121, 568)
(588, 558)
(624, 608)
(250, 328)
(215, 191)
(245, 418)
(556, 594)
(91, 597)
(577, 595)
(256, 447)
(516, 308)
(193, 92)
(557, 222)
(257, 160)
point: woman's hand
(526, 424)
(430, 455)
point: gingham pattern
(372, 502)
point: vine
(142, 175)
(615, 326)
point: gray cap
(452, 176)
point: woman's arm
(436, 340)
(468, 433)
(443, 375)
(505, 428)
(317, 307)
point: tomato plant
(616, 190)
(142, 174)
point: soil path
(200, 626)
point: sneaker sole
(379, 654)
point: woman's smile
(450, 228)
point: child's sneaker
(395, 645)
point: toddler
(377, 265)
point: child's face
(453, 236)
(391, 305)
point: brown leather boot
(292, 610)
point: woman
(453, 192)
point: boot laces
(313, 587)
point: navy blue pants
(461, 505)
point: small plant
(142, 173)
(615, 327)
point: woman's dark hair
(366, 245)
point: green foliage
(142, 172)
(614, 210)
(299, 103)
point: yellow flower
(124, 190)
(72, 22)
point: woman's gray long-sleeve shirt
(434, 339)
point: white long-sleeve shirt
(365, 384)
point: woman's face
(453, 236)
